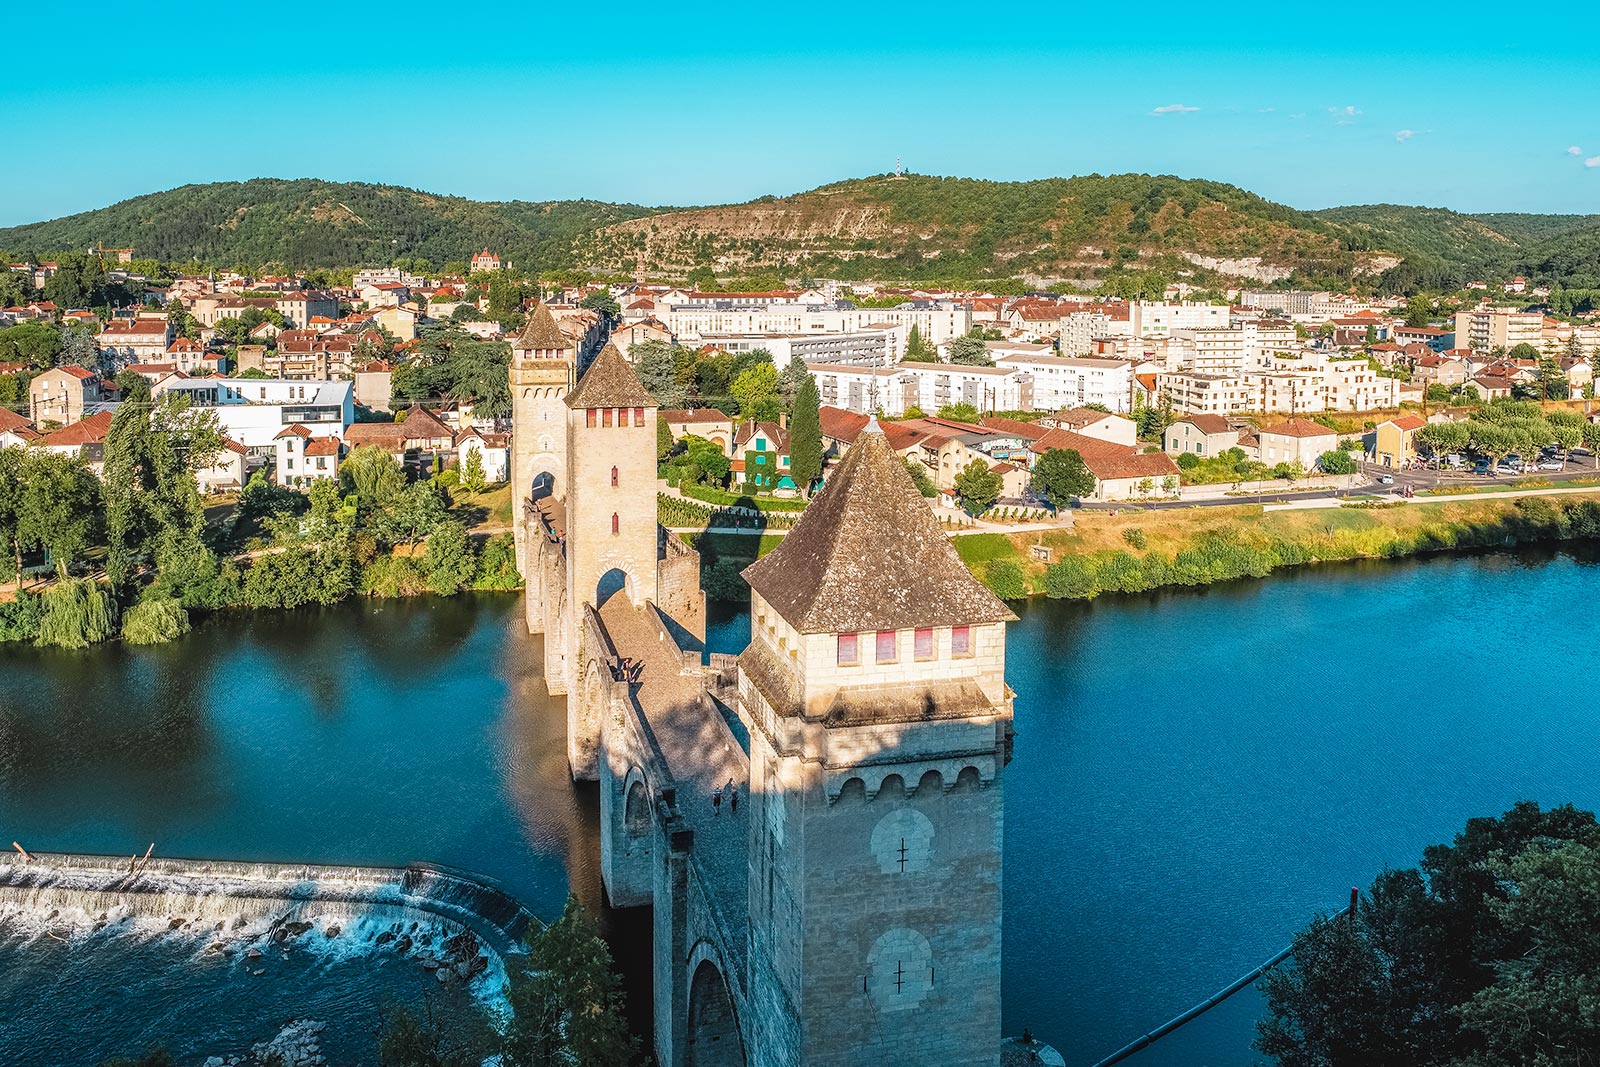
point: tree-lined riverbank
(1131, 551)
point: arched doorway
(544, 484)
(611, 582)
(713, 1037)
(636, 811)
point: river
(1196, 772)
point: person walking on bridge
(716, 802)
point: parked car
(1554, 465)
(1481, 467)
(1385, 479)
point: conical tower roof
(610, 383)
(540, 332)
(869, 555)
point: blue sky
(693, 104)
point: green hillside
(886, 227)
(310, 223)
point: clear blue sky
(1478, 110)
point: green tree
(789, 382)
(371, 475)
(56, 507)
(1337, 461)
(1006, 580)
(920, 478)
(756, 390)
(37, 344)
(805, 436)
(472, 476)
(959, 413)
(78, 613)
(978, 487)
(918, 350)
(603, 302)
(448, 561)
(1060, 474)
(655, 365)
(567, 1000)
(1443, 438)
(970, 350)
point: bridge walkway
(702, 753)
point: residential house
(1122, 472)
(226, 472)
(375, 385)
(415, 436)
(761, 456)
(141, 340)
(15, 429)
(1491, 387)
(303, 458)
(1200, 435)
(62, 396)
(1394, 440)
(1295, 441)
(494, 453)
(1094, 423)
(84, 439)
(253, 410)
(708, 423)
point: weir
(208, 893)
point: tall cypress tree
(805, 436)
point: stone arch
(967, 781)
(853, 790)
(712, 1035)
(930, 785)
(544, 484)
(893, 787)
(900, 970)
(636, 807)
(616, 580)
(902, 841)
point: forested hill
(888, 228)
(311, 223)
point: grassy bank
(1135, 551)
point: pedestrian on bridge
(716, 802)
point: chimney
(783, 420)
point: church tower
(543, 360)
(881, 727)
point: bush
(449, 561)
(1135, 537)
(448, 479)
(497, 565)
(1006, 580)
(1071, 578)
(154, 622)
(1188, 461)
(77, 613)
(19, 619)
(393, 576)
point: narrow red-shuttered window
(616, 523)
(888, 646)
(638, 416)
(924, 644)
(961, 640)
(605, 416)
(849, 653)
(622, 416)
(592, 415)
(613, 477)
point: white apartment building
(1074, 381)
(141, 340)
(1313, 382)
(929, 386)
(876, 347)
(1153, 318)
(253, 411)
(938, 321)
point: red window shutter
(591, 417)
(888, 646)
(924, 644)
(638, 416)
(616, 523)
(960, 640)
(605, 416)
(613, 477)
(848, 651)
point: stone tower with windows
(881, 727)
(543, 361)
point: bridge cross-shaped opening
(903, 851)
(899, 975)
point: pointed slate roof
(541, 333)
(869, 555)
(610, 383)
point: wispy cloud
(1265, 110)
(1404, 135)
(1574, 151)
(1173, 109)
(1344, 116)
(1592, 161)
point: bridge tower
(612, 541)
(881, 728)
(543, 360)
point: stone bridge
(844, 900)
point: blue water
(1195, 773)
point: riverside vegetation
(372, 532)
(1136, 551)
